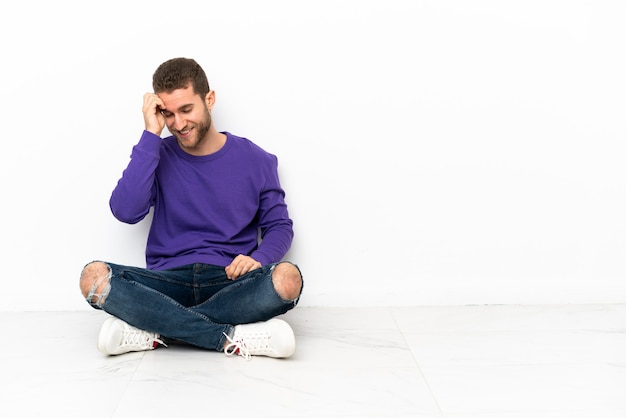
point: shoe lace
(236, 346)
(139, 338)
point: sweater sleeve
(274, 223)
(133, 195)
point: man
(220, 228)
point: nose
(179, 122)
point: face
(188, 117)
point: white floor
(471, 361)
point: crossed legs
(209, 324)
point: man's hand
(152, 117)
(241, 265)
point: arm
(276, 229)
(275, 225)
(133, 196)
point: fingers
(153, 119)
(241, 265)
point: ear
(209, 99)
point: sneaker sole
(103, 336)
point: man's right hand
(152, 107)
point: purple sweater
(207, 209)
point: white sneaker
(273, 338)
(118, 337)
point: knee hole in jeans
(287, 280)
(95, 282)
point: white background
(433, 152)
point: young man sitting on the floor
(210, 281)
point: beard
(204, 126)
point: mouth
(185, 133)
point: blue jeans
(196, 303)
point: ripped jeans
(196, 303)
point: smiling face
(188, 118)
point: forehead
(178, 98)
